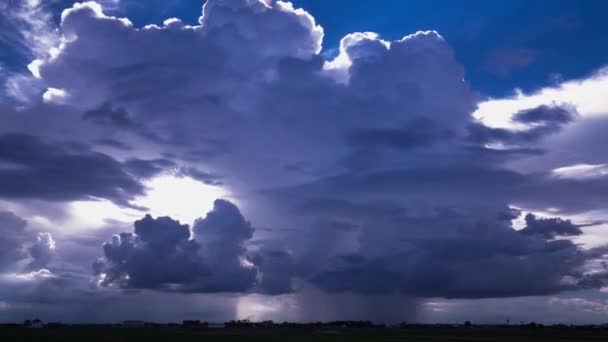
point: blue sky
(553, 32)
(502, 44)
(252, 166)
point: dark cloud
(161, 232)
(56, 172)
(17, 245)
(162, 254)
(550, 227)
(148, 168)
(12, 239)
(483, 135)
(117, 118)
(203, 176)
(542, 120)
(276, 269)
(452, 255)
(439, 233)
(418, 133)
(106, 114)
(148, 261)
(222, 234)
(545, 115)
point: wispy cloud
(28, 27)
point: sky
(419, 161)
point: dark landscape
(303, 170)
(338, 331)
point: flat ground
(117, 334)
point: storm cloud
(18, 245)
(164, 254)
(363, 178)
(62, 172)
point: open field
(478, 334)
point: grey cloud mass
(550, 227)
(18, 245)
(360, 179)
(42, 251)
(12, 239)
(542, 120)
(164, 254)
(62, 172)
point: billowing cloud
(164, 254)
(440, 254)
(17, 245)
(371, 176)
(386, 121)
(550, 227)
(42, 251)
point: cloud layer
(370, 176)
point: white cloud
(338, 68)
(31, 34)
(27, 277)
(22, 88)
(34, 67)
(581, 171)
(54, 95)
(589, 96)
(33, 22)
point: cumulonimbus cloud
(377, 171)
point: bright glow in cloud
(589, 96)
(257, 307)
(34, 67)
(581, 171)
(54, 95)
(27, 277)
(91, 214)
(182, 198)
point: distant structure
(194, 324)
(133, 324)
(216, 325)
(267, 324)
(33, 324)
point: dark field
(117, 334)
